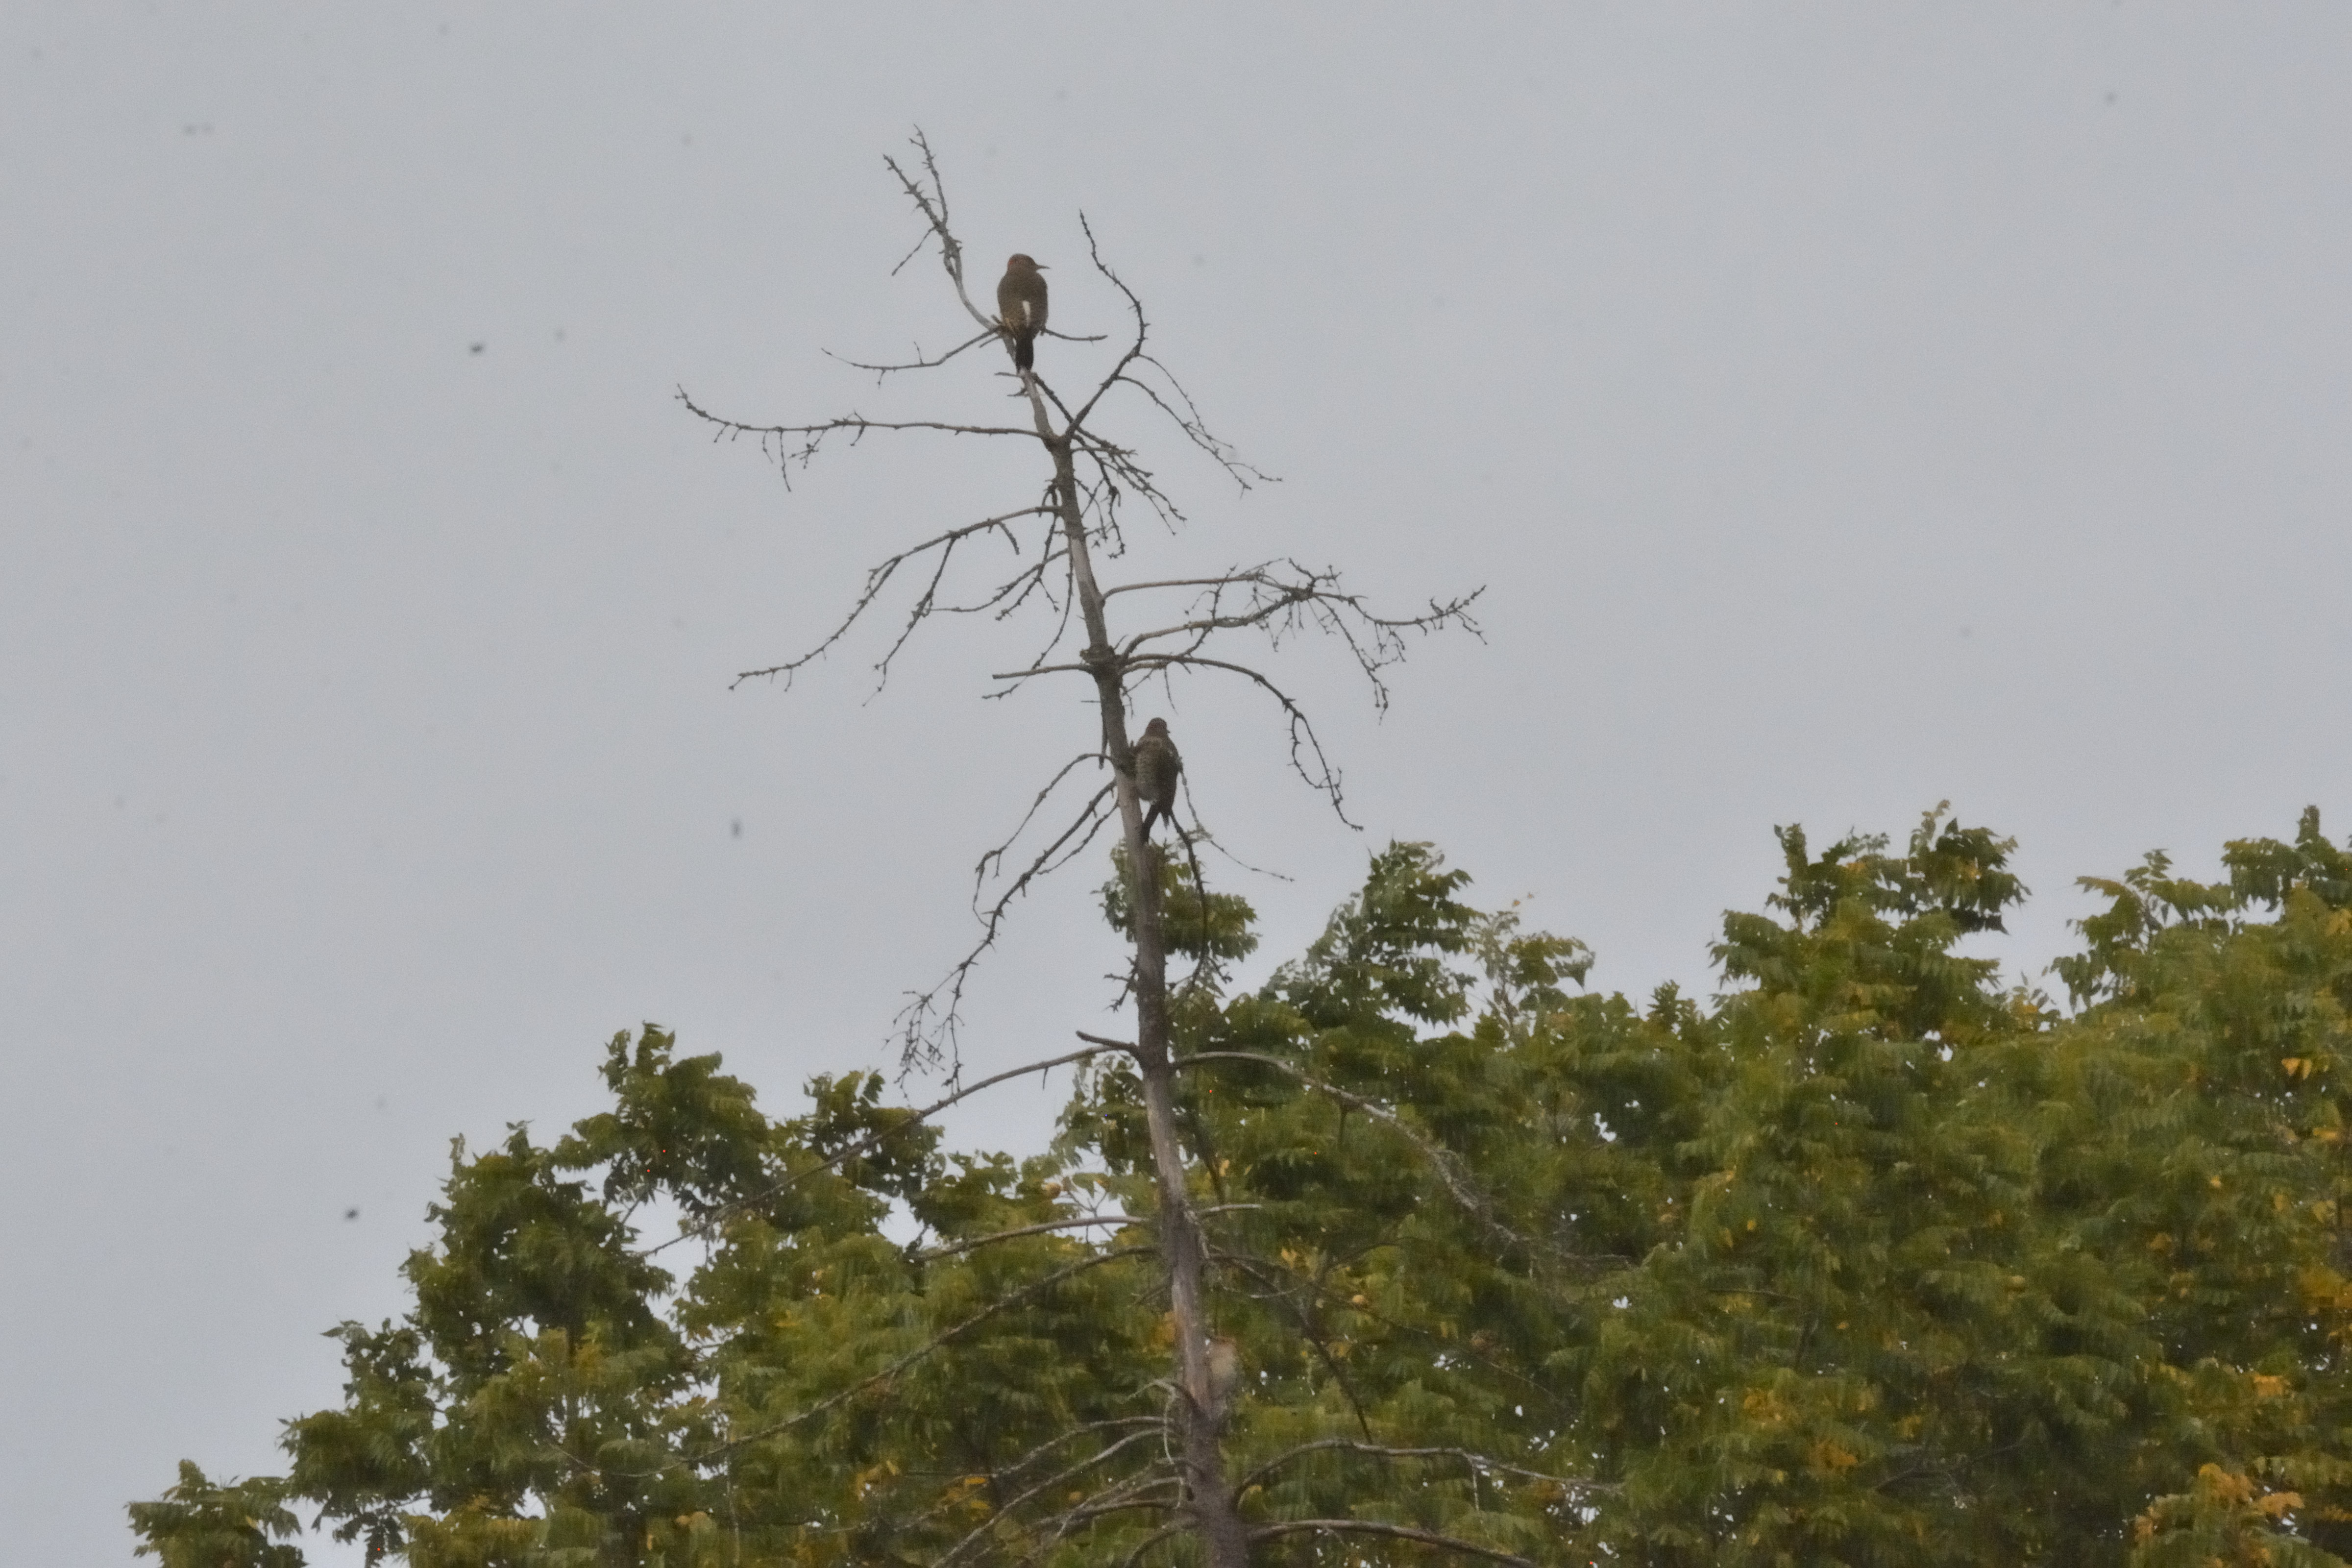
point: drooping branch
(919, 1036)
(1195, 428)
(1305, 746)
(996, 856)
(1189, 419)
(879, 577)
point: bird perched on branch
(1224, 1360)
(1157, 766)
(1020, 307)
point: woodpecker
(1021, 306)
(1224, 1360)
(1157, 766)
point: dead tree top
(1080, 513)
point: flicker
(1021, 306)
(1224, 1359)
(1157, 766)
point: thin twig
(919, 1035)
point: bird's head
(1022, 263)
(1157, 727)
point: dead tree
(1093, 483)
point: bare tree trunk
(1224, 1543)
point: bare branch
(1153, 1424)
(1077, 421)
(1304, 743)
(996, 856)
(1113, 593)
(926, 1028)
(879, 578)
(1280, 591)
(1284, 597)
(1210, 838)
(930, 195)
(920, 361)
(1190, 421)
(776, 440)
(1196, 430)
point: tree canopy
(1869, 1258)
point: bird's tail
(1024, 349)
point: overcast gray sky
(1848, 408)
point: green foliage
(1869, 1259)
(1212, 932)
(198, 1524)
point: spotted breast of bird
(1157, 769)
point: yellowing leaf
(1825, 1454)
